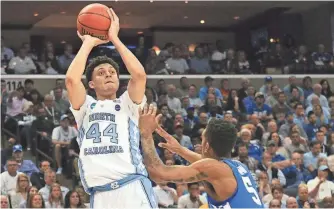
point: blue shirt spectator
(25, 166)
(311, 158)
(203, 92)
(249, 102)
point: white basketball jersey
(109, 140)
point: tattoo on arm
(150, 155)
(197, 177)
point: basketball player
(110, 162)
(228, 183)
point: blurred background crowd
(286, 125)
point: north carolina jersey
(245, 195)
(109, 140)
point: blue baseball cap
(268, 79)
(191, 108)
(17, 148)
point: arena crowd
(286, 133)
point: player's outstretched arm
(174, 146)
(76, 89)
(137, 83)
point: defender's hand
(171, 143)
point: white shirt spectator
(174, 104)
(195, 102)
(45, 192)
(178, 65)
(164, 197)
(22, 65)
(218, 56)
(322, 98)
(8, 182)
(185, 202)
(326, 188)
(60, 134)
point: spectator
(243, 66)
(21, 192)
(166, 196)
(325, 88)
(55, 200)
(234, 103)
(150, 96)
(5, 201)
(299, 116)
(182, 139)
(287, 127)
(307, 86)
(320, 137)
(317, 88)
(60, 83)
(311, 158)
(173, 102)
(272, 128)
(200, 64)
(320, 187)
(291, 202)
(273, 173)
(276, 194)
(263, 184)
(184, 84)
(31, 191)
(73, 200)
(194, 100)
(263, 111)
(22, 64)
(50, 178)
(204, 91)
(36, 97)
(224, 89)
(210, 106)
(275, 148)
(6, 53)
(254, 150)
(249, 100)
(242, 92)
(24, 166)
(28, 87)
(296, 144)
(193, 199)
(61, 105)
(36, 201)
(273, 98)
(327, 202)
(266, 87)
(177, 64)
(311, 128)
(66, 59)
(50, 109)
(37, 178)
(9, 177)
(61, 138)
(243, 157)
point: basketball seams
(93, 13)
(90, 27)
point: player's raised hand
(92, 40)
(147, 119)
(114, 26)
(171, 143)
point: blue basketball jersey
(245, 195)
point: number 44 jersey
(245, 195)
(108, 140)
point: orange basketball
(94, 20)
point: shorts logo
(114, 185)
(92, 105)
(117, 107)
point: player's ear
(91, 84)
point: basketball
(94, 20)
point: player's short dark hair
(98, 61)
(221, 136)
